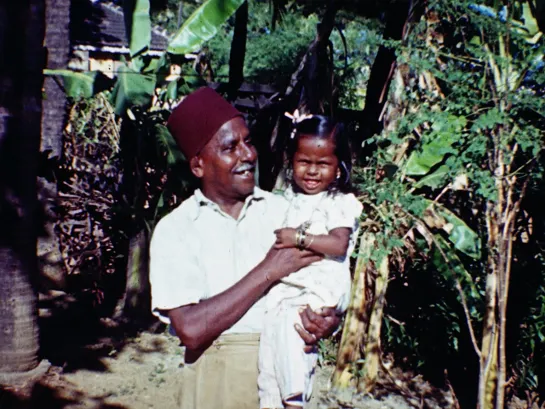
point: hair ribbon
(296, 118)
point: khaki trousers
(224, 377)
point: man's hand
(317, 325)
(278, 263)
(285, 238)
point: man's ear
(196, 166)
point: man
(212, 259)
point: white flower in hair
(296, 118)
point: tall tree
(21, 64)
(238, 49)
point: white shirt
(198, 251)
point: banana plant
(436, 146)
(138, 79)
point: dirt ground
(143, 374)
(98, 364)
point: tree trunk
(135, 305)
(382, 72)
(21, 79)
(57, 42)
(238, 50)
(357, 318)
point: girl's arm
(334, 244)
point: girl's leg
(269, 393)
(293, 367)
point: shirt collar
(201, 200)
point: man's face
(226, 165)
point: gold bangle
(300, 237)
(311, 240)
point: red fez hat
(197, 119)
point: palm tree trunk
(21, 64)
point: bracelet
(300, 237)
(311, 240)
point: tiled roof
(102, 25)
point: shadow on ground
(46, 396)
(73, 336)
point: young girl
(323, 217)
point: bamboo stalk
(356, 317)
(372, 345)
(489, 339)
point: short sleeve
(175, 277)
(344, 210)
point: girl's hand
(285, 238)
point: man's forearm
(198, 325)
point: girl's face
(315, 165)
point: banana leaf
(81, 84)
(450, 266)
(167, 145)
(460, 234)
(137, 25)
(202, 25)
(435, 179)
(422, 161)
(132, 89)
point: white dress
(285, 370)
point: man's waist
(237, 339)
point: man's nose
(248, 152)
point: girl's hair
(322, 127)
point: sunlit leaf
(81, 84)
(420, 162)
(172, 90)
(435, 179)
(202, 25)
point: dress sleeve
(175, 277)
(344, 211)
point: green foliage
(167, 146)
(273, 55)
(265, 61)
(202, 25)
(138, 25)
(457, 97)
(353, 64)
(132, 88)
(80, 84)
